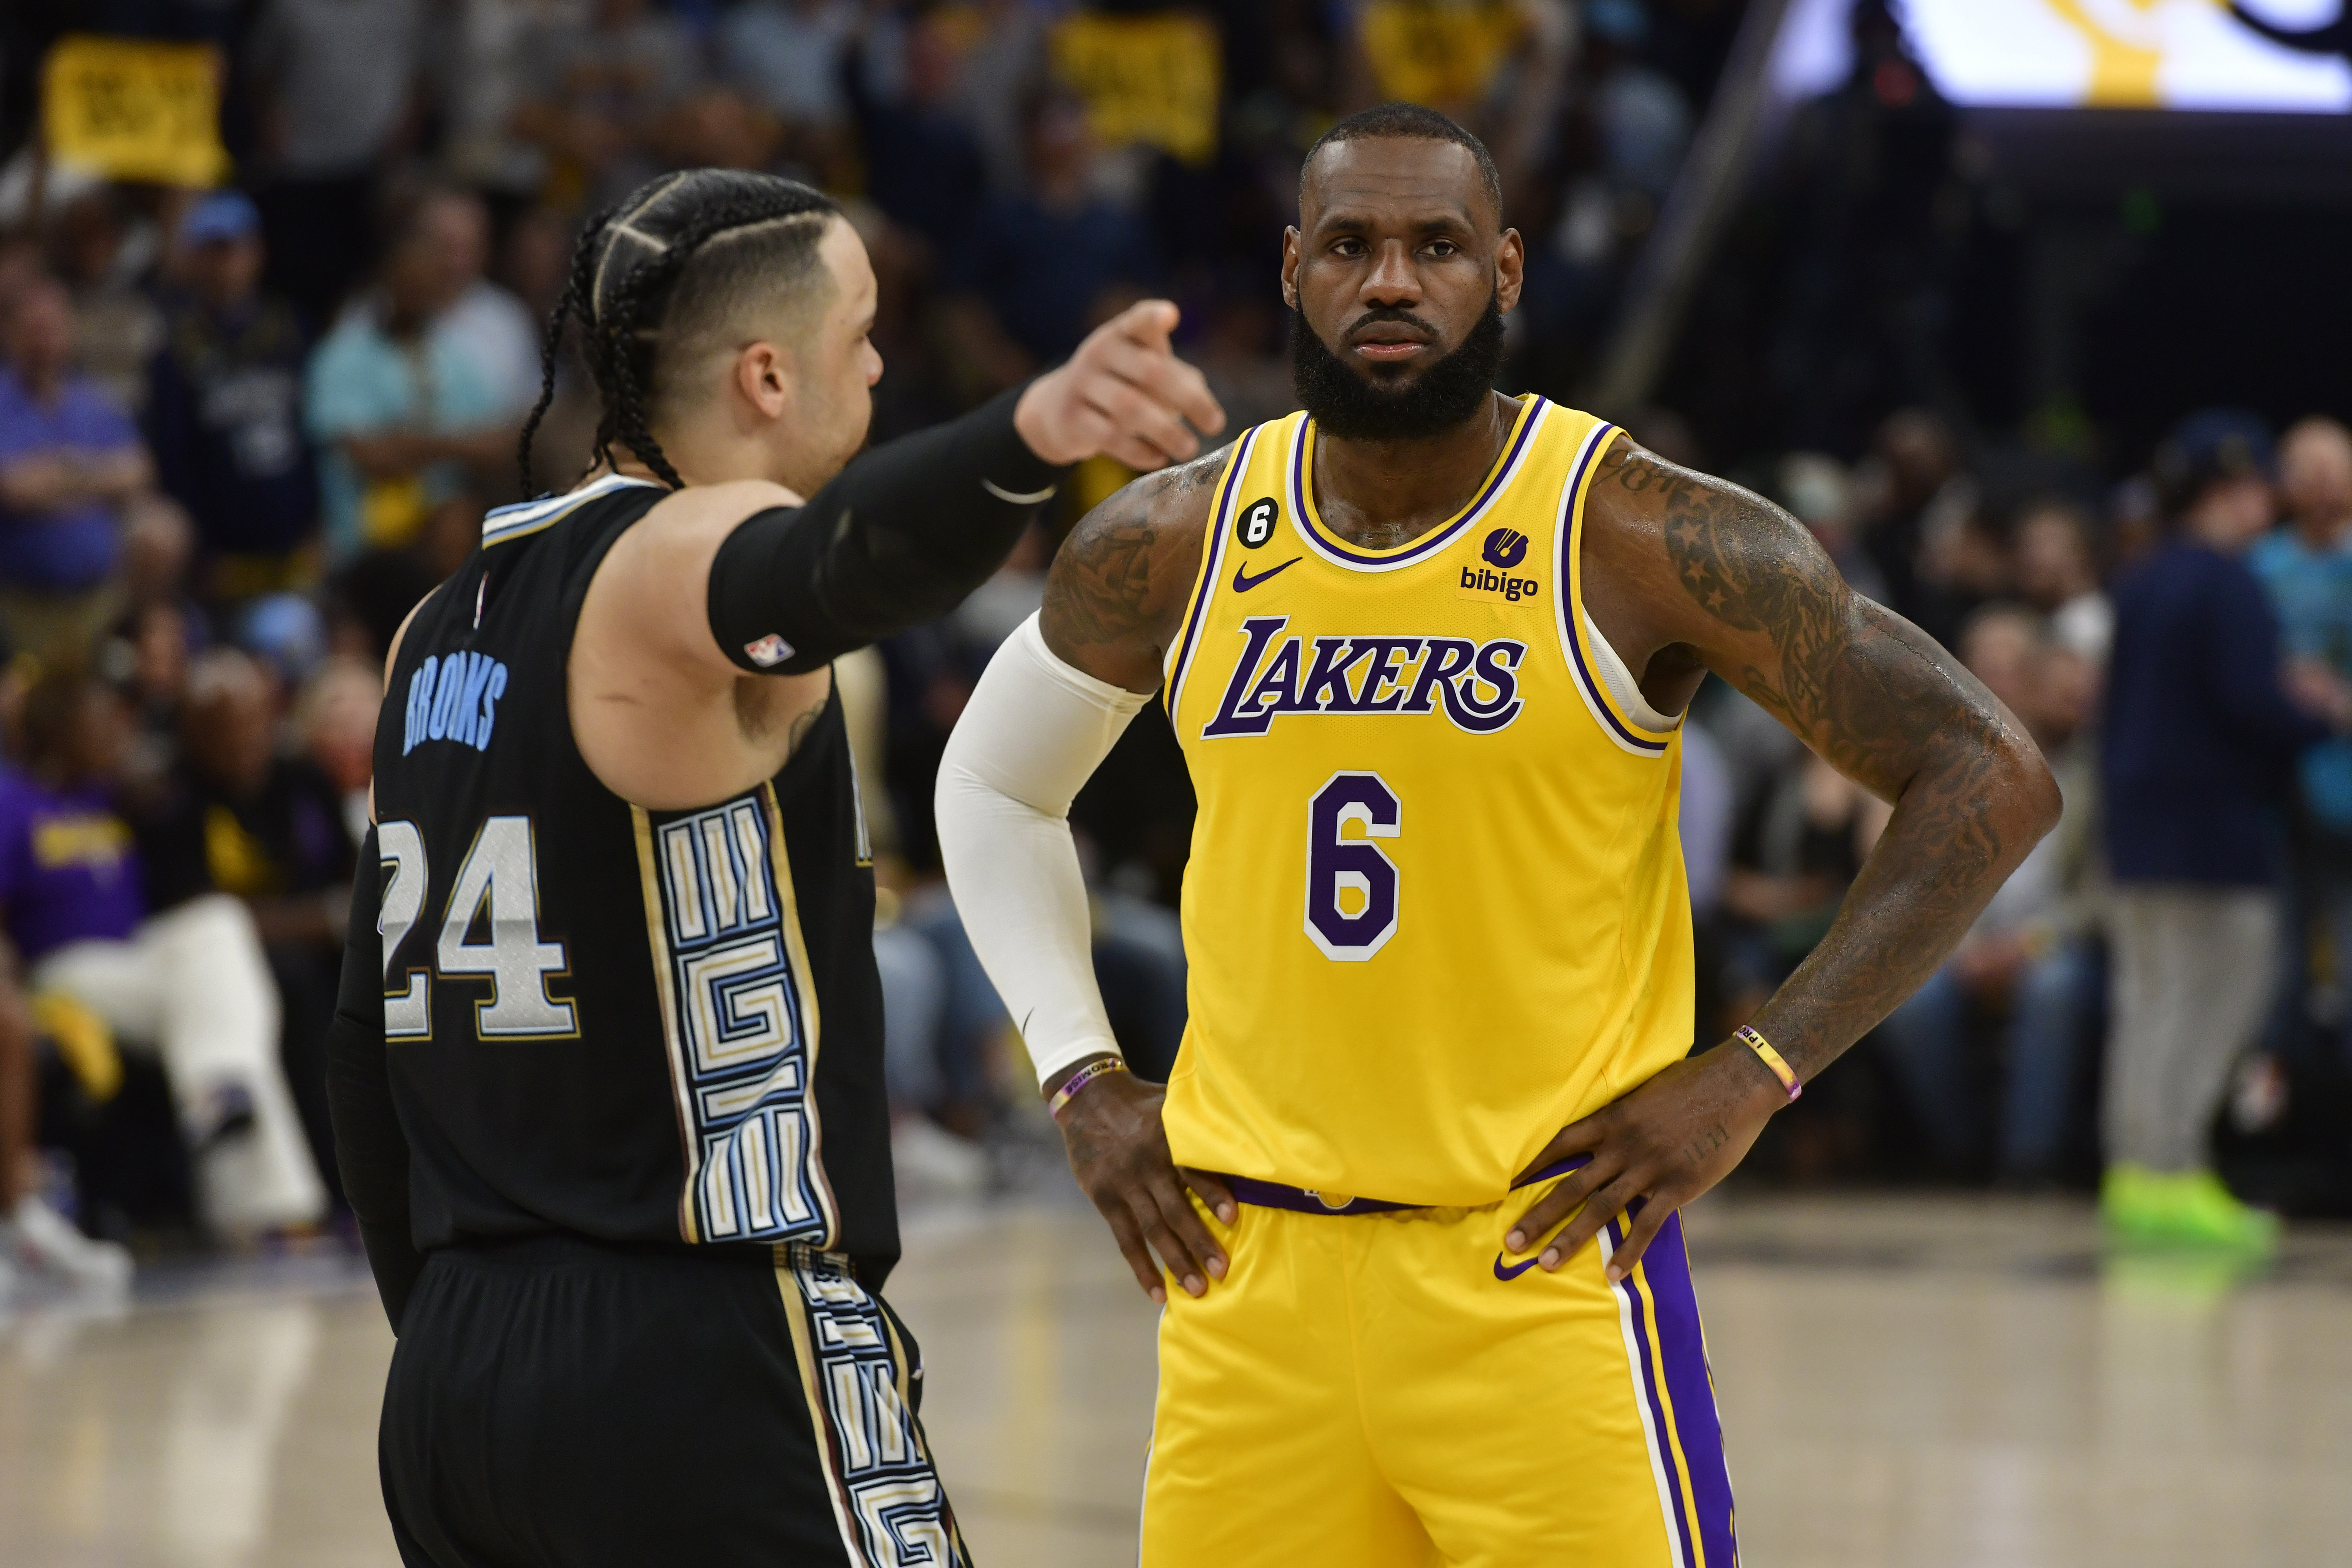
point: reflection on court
(1928, 1382)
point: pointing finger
(1168, 381)
(1147, 321)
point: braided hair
(652, 291)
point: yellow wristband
(1770, 1058)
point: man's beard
(1346, 403)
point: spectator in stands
(70, 462)
(923, 165)
(2057, 573)
(2028, 967)
(597, 95)
(336, 91)
(105, 268)
(334, 718)
(35, 1240)
(224, 408)
(2307, 568)
(268, 829)
(2203, 727)
(1045, 263)
(484, 318)
(407, 414)
(1914, 496)
(190, 982)
(787, 55)
(1818, 493)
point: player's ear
(1510, 270)
(767, 378)
(1290, 239)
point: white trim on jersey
(513, 522)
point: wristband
(1770, 1058)
(1080, 1080)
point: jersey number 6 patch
(1351, 885)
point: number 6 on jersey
(1351, 885)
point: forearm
(117, 476)
(1034, 730)
(36, 484)
(1958, 833)
(898, 538)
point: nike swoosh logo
(1513, 1271)
(1244, 582)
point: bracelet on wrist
(1772, 1058)
(1098, 1068)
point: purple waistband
(1307, 1200)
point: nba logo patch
(768, 651)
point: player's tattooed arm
(1113, 601)
(1701, 576)
(1116, 589)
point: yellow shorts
(1390, 1391)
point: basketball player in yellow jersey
(1426, 648)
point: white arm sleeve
(1034, 731)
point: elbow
(2034, 790)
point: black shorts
(554, 1403)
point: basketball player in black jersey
(608, 1087)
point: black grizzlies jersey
(637, 1025)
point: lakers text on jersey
(1435, 907)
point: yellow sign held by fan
(129, 109)
(1153, 80)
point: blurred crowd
(243, 430)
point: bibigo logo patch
(1504, 548)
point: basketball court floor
(1914, 1381)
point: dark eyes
(1352, 248)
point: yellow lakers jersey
(1436, 908)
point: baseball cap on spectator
(1619, 21)
(223, 215)
(285, 632)
(2211, 445)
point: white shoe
(47, 1242)
(932, 1160)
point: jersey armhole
(1204, 582)
(1602, 678)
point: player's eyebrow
(1358, 221)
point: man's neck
(2320, 532)
(1384, 494)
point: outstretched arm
(1704, 575)
(1051, 706)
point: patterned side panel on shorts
(885, 1495)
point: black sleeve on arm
(898, 538)
(370, 1148)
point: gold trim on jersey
(1568, 538)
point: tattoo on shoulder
(1850, 678)
(1100, 587)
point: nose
(1393, 280)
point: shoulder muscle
(1120, 582)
